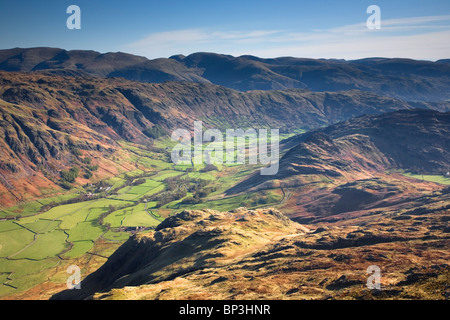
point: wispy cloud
(415, 37)
(192, 40)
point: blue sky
(317, 29)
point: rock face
(261, 254)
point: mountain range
(398, 78)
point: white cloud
(170, 38)
(416, 37)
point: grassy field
(140, 217)
(135, 216)
(30, 208)
(79, 248)
(13, 241)
(42, 226)
(44, 246)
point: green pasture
(42, 226)
(46, 245)
(32, 207)
(166, 174)
(135, 216)
(24, 273)
(85, 231)
(79, 248)
(13, 241)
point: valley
(86, 225)
(87, 179)
(41, 238)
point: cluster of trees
(198, 187)
(173, 183)
(75, 151)
(88, 170)
(104, 214)
(86, 160)
(96, 187)
(192, 185)
(178, 188)
(155, 132)
(191, 200)
(68, 177)
(138, 182)
(198, 195)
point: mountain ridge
(404, 79)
